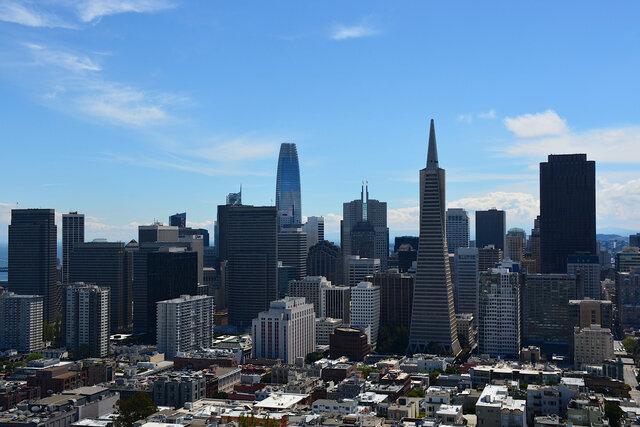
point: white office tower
(365, 309)
(184, 324)
(457, 226)
(314, 227)
(21, 322)
(86, 320)
(286, 331)
(310, 288)
(337, 302)
(357, 269)
(499, 313)
(465, 286)
(324, 327)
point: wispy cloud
(343, 32)
(25, 13)
(536, 125)
(468, 117)
(240, 149)
(491, 114)
(465, 118)
(94, 10)
(66, 60)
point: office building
(363, 229)
(72, 233)
(314, 227)
(178, 220)
(286, 273)
(194, 233)
(325, 259)
(21, 320)
(406, 254)
(109, 266)
(457, 229)
(337, 302)
(365, 309)
(396, 292)
(516, 244)
(433, 321)
(235, 198)
(288, 200)
(357, 269)
(286, 331)
(499, 313)
(177, 388)
(33, 257)
(249, 242)
(324, 328)
(587, 312)
(626, 259)
(634, 240)
(157, 232)
(593, 345)
(488, 257)
(545, 309)
(588, 266)
(627, 298)
(292, 249)
(491, 229)
(310, 288)
(465, 287)
(533, 266)
(467, 332)
(567, 210)
(351, 343)
(85, 320)
(184, 324)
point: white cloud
(618, 203)
(332, 224)
(342, 32)
(521, 208)
(239, 149)
(491, 114)
(94, 10)
(465, 118)
(66, 60)
(535, 125)
(404, 219)
(20, 12)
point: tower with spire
(433, 320)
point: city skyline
(143, 123)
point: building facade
(465, 286)
(21, 318)
(588, 266)
(324, 327)
(357, 269)
(292, 249)
(396, 296)
(458, 233)
(325, 259)
(337, 302)
(491, 229)
(593, 345)
(310, 288)
(314, 227)
(365, 308)
(85, 320)
(72, 233)
(288, 200)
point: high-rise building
(627, 259)
(33, 257)
(288, 186)
(325, 259)
(634, 240)
(465, 289)
(545, 309)
(324, 328)
(109, 266)
(365, 309)
(499, 313)
(516, 244)
(457, 229)
(157, 232)
(292, 249)
(357, 269)
(310, 288)
(314, 227)
(396, 294)
(488, 257)
(491, 228)
(567, 210)
(433, 320)
(363, 229)
(85, 320)
(593, 345)
(21, 322)
(249, 242)
(235, 198)
(589, 268)
(627, 298)
(587, 312)
(349, 342)
(286, 273)
(534, 246)
(184, 324)
(72, 233)
(337, 302)
(286, 331)
(178, 220)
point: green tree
(416, 392)
(221, 395)
(313, 357)
(613, 412)
(138, 407)
(433, 377)
(631, 345)
(33, 356)
(392, 339)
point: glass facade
(288, 186)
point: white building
(310, 288)
(357, 269)
(86, 320)
(329, 406)
(496, 408)
(21, 320)
(184, 324)
(314, 227)
(592, 345)
(324, 327)
(457, 229)
(365, 308)
(286, 331)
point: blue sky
(129, 111)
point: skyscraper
(491, 228)
(21, 320)
(567, 209)
(72, 233)
(235, 198)
(589, 266)
(325, 259)
(466, 282)
(396, 294)
(86, 320)
(310, 288)
(433, 321)
(178, 220)
(457, 229)
(288, 186)
(33, 257)
(314, 227)
(365, 309)
(292, 249)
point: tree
(138, 407)
(313, 357)
(416, 392)
(613, 412)
(631, 345)
(392, 339)
(33, 356)
(433, 377)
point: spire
(432, 154)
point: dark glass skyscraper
(567, 210)
(72, 233)
(288, 186)
(433, 320)
(178, 220)
(491, 229)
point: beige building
(592, 345)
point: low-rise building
(176, 388)
(329, 406)
(592, 345)
(496, 408)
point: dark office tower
(292, 249)
(72, 233)
(33, 257)
(396, 295)
(465, 289)
(361, 216)
(178, 220)
(325, 259)
(337, 303)
(235, 198)
(433, 320)
(109, 266)
(545, 309)
(249, 242)
(627, 259)
(457, 229)
(488, 257)
(491, 228)
(589, 268)
(567, 209)
(634, 240)
(171, 272)
(288, 186)
(516, 244)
